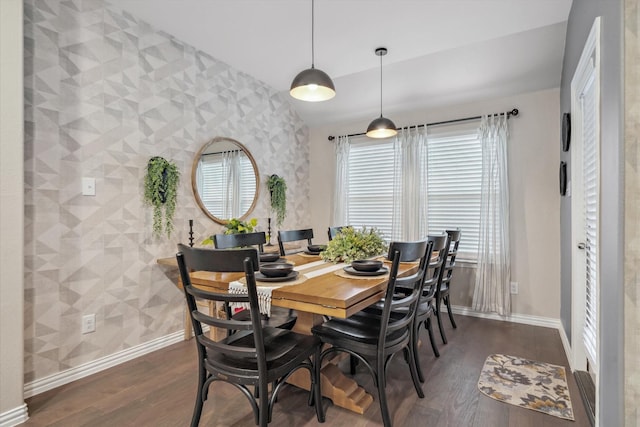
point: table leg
(342, 390)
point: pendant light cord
(312, 31)
(381, 85)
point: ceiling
(441, 52)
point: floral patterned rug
(527, 383)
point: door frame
(589, 60)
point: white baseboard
(14, 416)
(52, 381)
(546, 322)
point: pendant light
(381, 127)
(312, 85)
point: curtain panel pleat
(340, 215)
(493, 275)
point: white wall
(12, 408)
(535, 201)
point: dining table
(321, 289)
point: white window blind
(454, 172)
(590, 177)
(370, 175)
(454, 169)
(224, 193)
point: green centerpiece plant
(235, 226)
(351, 244)
(161, 192)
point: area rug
(526, 383)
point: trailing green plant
(351, 244)
(278, 190)
(160, 192)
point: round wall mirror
(225, 180)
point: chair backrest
(436, 267)
(242, 259)
(454, 242)
(226, 241)
(332, 231)
(293, 236)
(222, 260)
(395, 330)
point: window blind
(454, 173)
(453, 180)
(370, 175)
(590, 180)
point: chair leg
(414, 373)
(447, 301)
(432, 338)
(263, 405)
(382, 395)
(414, 350)
(317, 384)
(439, 317)
(197, 410)
(353, 362)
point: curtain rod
(513, 113)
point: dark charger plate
(380, 272)
(291, 276)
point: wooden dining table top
(327, 294)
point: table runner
(307, 271)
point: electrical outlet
(88, 323)
(514, 288)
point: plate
(351, 270)
(312, 253)
(262, 278)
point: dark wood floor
(158, 389)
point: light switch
(88, 186)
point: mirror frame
(194, 186)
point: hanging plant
(160, 191)
(278, 190)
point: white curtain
(232, 170)
(409, 220)
(492, 293)
(340, 216)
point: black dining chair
(333, 231)
(256, 355)
(443, 294)
(374, 343)
(238, 240)
(200, 259)
(293, 236)
(426, 306)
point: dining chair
(374, 343)
(238, 240)
(200, 259)
(293, 236)
(256, 355)
(443, 291)
(426, 306)
(332, 231)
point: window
(454, 170)
(220, 171)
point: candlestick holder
(269, 232)
(191, 233)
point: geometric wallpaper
(104, 92)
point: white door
(585, 206)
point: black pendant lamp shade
(381, 127)
(312, 85)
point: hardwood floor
(159, 389)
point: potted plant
(160, 192)
(278, 190)
(235, 226)
(351, 244)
